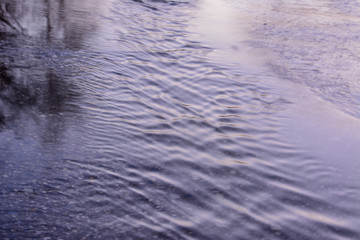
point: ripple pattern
(159, 141)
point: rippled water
(159, 119)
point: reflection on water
(317, 44)
(163, 120)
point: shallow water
(203, 119)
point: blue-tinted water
(209, 119)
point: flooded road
(208, 119)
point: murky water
(208, 119)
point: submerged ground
(209, 119)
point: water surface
(207, 119)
